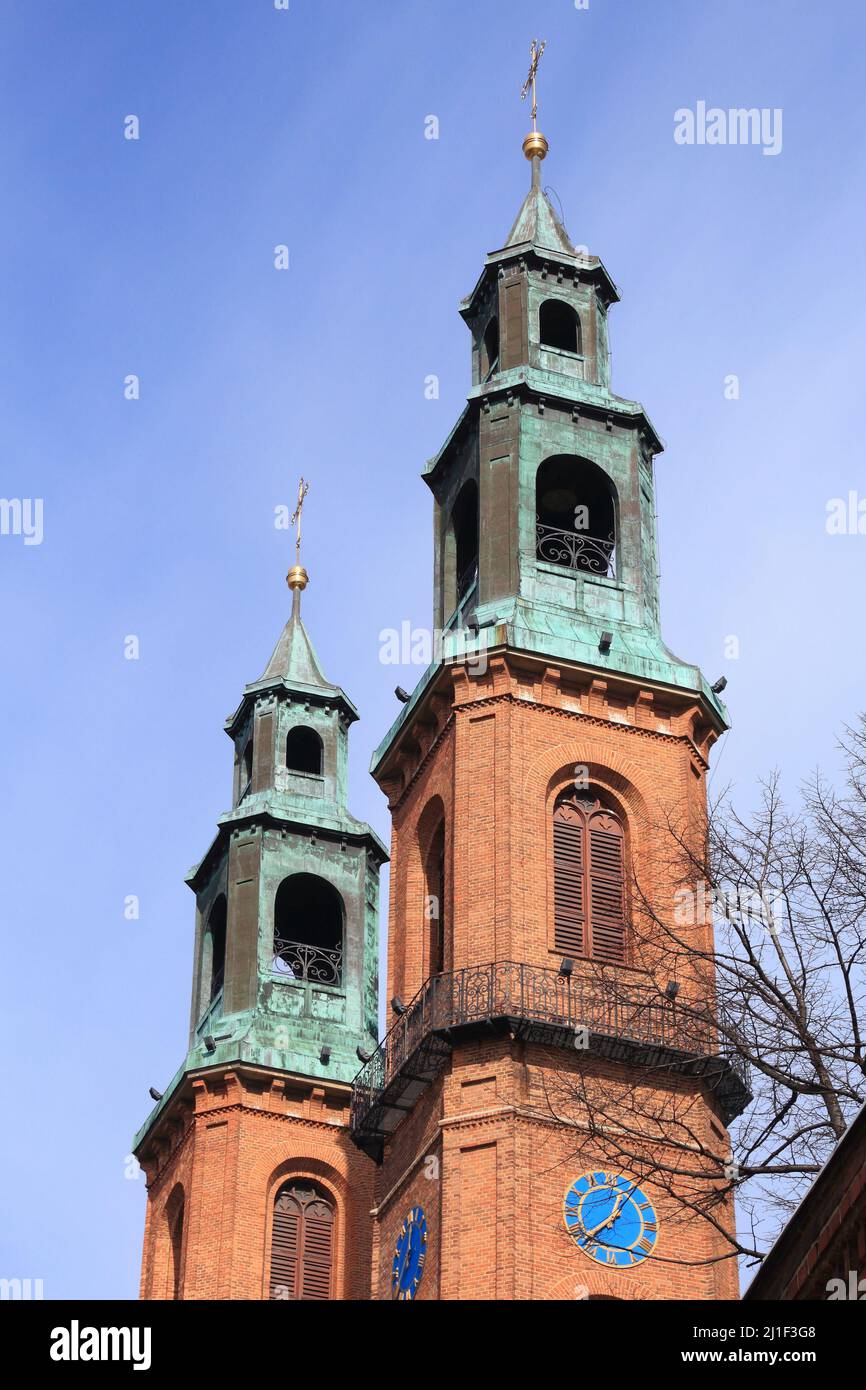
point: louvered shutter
(606, 887)
(301, 1245)
(318, 1228)
(569, 870)
(284, 1246)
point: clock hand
(608, 1220)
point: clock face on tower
(610, 1219)
(410, 1252)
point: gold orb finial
(297, 577)
(535, 146)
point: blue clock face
(610, 1219)
(410, 1252)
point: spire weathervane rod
(297, 577)
(535, 146)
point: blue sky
(155, 257)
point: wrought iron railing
(575, 550)
(297, 960)
(562, 1006)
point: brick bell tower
(255, 1189)
(528, 778)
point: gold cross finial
(303, 489)
(297, 576)
(535, 51)
(534, 146)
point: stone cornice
(584, 717)
(530, 384)
(182, 1110)
(266, 816)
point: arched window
(490, 349)
(174, 1217)
(435, 902)
(304, 750)
(308, 930)
(575, 513)
(215, 948)
(559, 326)
(589, 879)
(302, 1243)
(464, 520)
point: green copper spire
(294, 657)
(537, 224)
(287, 894)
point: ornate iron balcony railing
(624, 1021)
(296, 960)
(575, 550)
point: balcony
(575, 550)
(625, 1022)
(299, 962)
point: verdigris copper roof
(537, 223)
(294, 657)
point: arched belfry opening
(490, 349)
(576, 515)
(308, 930)
(304, 750)
(215, 949)
(464, 523)
(559, 326)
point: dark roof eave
(708, 700)
(518, 379)
(316, 694)
(358, 833)
(590, 268)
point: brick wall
(503, 748)
(245, 1135)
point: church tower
(255, 1189)
(529, 778)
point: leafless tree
(778, 989)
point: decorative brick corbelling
(423, 763)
